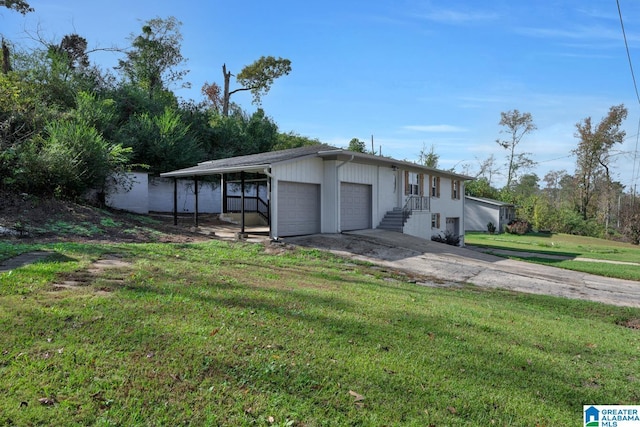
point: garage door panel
(298, 208)
(355, 206)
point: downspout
(464, 201)
(242, 233)
(269, 175)
(338, 191)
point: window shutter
(438, 218)
(406, 182)
(453, 186)
(438, 188)
(421, 183)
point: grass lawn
(232, 334)
(569, 246)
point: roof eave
(392, 162)
(214, 171)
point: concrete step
(393, 220)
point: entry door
(453, 226)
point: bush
(518, 227)
(448, 238)
(72, 159)
(491, 228)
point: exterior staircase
(393, 220)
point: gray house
(478, 212)
(324, 189)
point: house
(479, 211)
(324, 189)
(592, 416)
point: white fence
(138, 192)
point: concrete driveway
(439, 264)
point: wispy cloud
(435, 128)
(577, 33)
(456, 17)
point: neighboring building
(478, 212)
(324, 189)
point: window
(435, 186)
(435, 220)
(413, 183)
(455, 189)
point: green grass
(598, 268)
(568, 246)
(230, 334)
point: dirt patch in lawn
(79, 279)
(31, 219)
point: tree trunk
(6, 63)
(225, 97)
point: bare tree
(517, 125)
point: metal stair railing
(414, 203)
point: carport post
(195, 193)
(175, 201)
(242, 201)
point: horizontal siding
(478, 215)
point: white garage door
(355, 206)
(298, 208)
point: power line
(635, 85)
(626, 45)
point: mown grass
(627, 272)
(233, 334)
(568, 246)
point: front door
(453, 226)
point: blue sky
(412, 73)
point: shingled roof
(250, 163)
(262, 161)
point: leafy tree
(256, 77)
(162, 142)
(527, 186)
(241, 134)
(517, 125)
(154, 59)
(18, 5)
(356, 145)
(525, 195)
(481, 188)
(292, 140)
(74, 48)
(593, 155)
(429, 158)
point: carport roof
(490, 201)
(262, 161)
